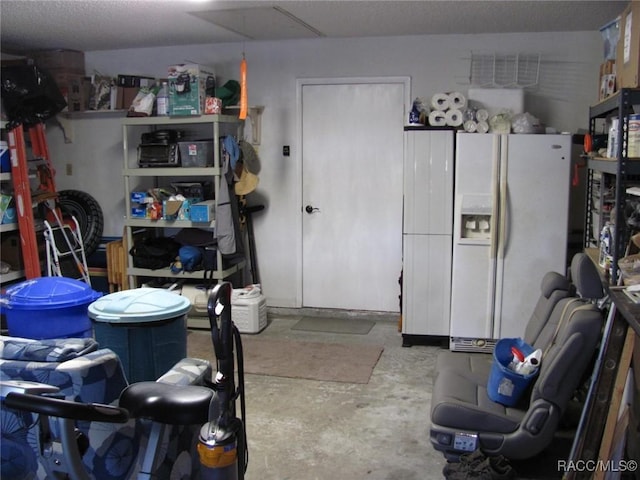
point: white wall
(568, 85)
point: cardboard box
(125, 96)
(628, 53)
(189, 86)
(139, 197)
(10, 250)
(5, 201)
(175, 209)
(9, 216)
(59, 61)
(134, 81)
(72, 87)
(202, 211)
(607, 84)
(139, 212)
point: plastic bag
(525, 123)
(29, 95)
(142, 105)
(419, 112)
(101, 93)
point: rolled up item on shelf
(470, 126)
(440, 101)
(482, 115)
(437, 118)
(453, 117)
(469, 114)
(457, 100)
(482, 127)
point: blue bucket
(49, 307)
(504, 385)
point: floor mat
(331, 362)
(358, 326)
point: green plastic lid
(138, 306)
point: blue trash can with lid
(145, 327)
(49, 307)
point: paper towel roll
(482, 115)
(453, 117)
(440, 101)
(470, 126)
(437, 118)
(482, 127)
(457, 100)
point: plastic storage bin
(504, 385)
(146, 327)
(249, 314)
(49, 307)
(198, 153)
(5, 157)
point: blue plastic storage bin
(49, 307)
(504, 385)
(145, 327)
(5, 157)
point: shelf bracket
(255, 117)
(66, 125)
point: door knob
(310, 209)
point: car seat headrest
(585, 277)
(553, 281)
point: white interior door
(352, 154)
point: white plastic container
(612, 139)
(633, 149)
(162, 101)
(249, 314)
(497, 100)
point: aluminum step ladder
(25, 199)
(65, 251)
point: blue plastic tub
(49, 307)
(146, 327)
(5, 157)
(504, 385)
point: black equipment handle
(219, 310)
(57, 407)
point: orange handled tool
(243, 89)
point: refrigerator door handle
(504, 197)
(495, 210)
(495, 175)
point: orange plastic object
(588, 143)
(243, 89)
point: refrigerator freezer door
(426, 285)
(428, 182)
(535, 229)
(473, 270)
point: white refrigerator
(510, 228)
(427, 234)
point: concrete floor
(312, 430)
(306, 430)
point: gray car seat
(553, 288)
(464, 418)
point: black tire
(87, 212)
